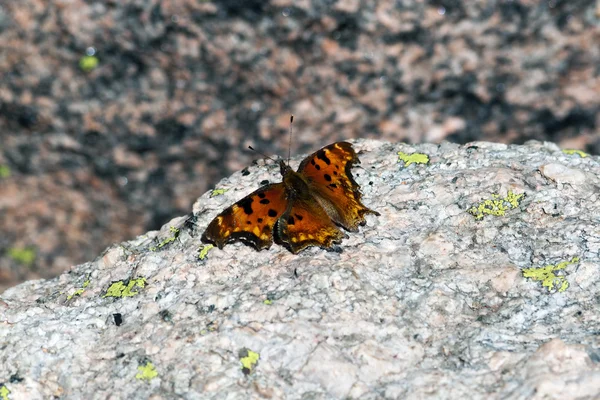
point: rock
(428, 300)
(134, 101)
(563, 174)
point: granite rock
(479, 280)
(115, 116)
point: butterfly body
(305, 209)
(295, 184)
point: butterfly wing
(328, 173)
(251, 219)
(306, 223)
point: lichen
(414, 158)
(88, 63)
(204, 251)
(79, 291)
(4, 392)
(271, 296)
(4, 171)
(147, 372)
(249, 359)
(125, 289)
(24, 256)
(547, 275)
(217, 192)
(573, 151)
(496, 206)
(168, 240)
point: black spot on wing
(246, 204)
(272, 213)
(322, 156)
(298, 217)
(327, 177)
(291, 221)
(262, 195)
(318, 167)
(260, 220)
(265, 201)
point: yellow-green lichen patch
(573, 151)
(249, 359)
(271, 296)
(175, 233)
(4, 392)
(79, 291)
(204, 251)
(88, 63)
(125, 289)
(212, 326)
(217, 192)
(147, 372)
(496, 206)
(24, 256)
(4, 171)
(547, 275)
(414, 158)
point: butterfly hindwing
(332, 184)
(251, 219)
(306, 223)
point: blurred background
(116, 115)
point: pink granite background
(182, 87)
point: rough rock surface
(428, 300)
(101, 153)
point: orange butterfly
(301, 211)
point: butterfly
(305, 209)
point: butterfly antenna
(262, 154)
(290, 142)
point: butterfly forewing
(251, 219)
(329, 176)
